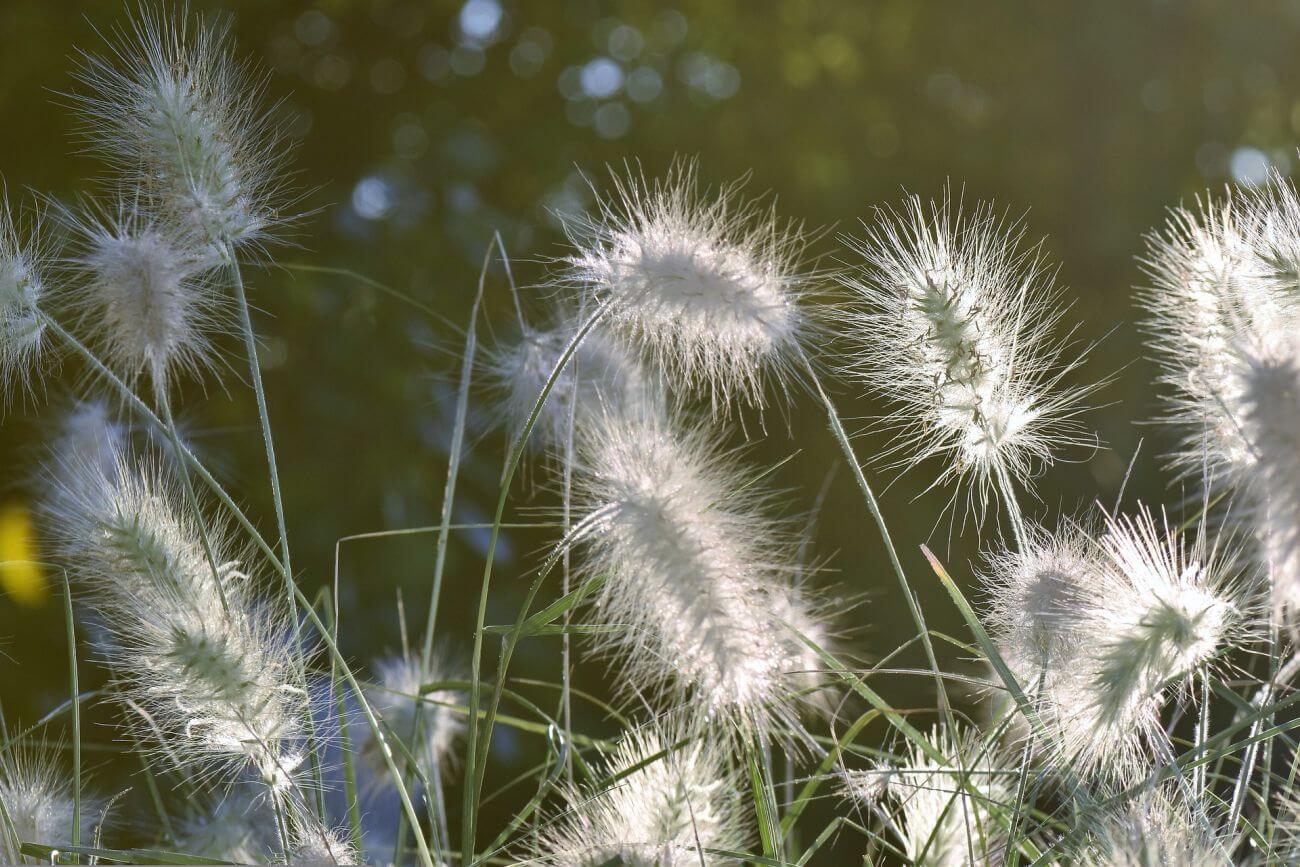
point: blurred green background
(423, 127)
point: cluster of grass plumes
(1135, 707)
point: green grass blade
(76, 711)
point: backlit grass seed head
(1211, 293)
(200, 651)
(144, 295)
(1270, 387)
(954, 326)
(946, 813)
(172, 109)
(400, 680)
(37, 797)
(238, 827)
(1160, 610)
(22, 290)
(313, 842)
(1156, 830)
(695, 577)
(603, 375)
(1034, 595)
(706, 281)
(679, 801)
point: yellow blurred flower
(20, 576)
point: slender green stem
(917, 617)
(381, 740)
(263, 416)
(76, 712)
(191, 499)
(474, 765)
(1012, 506)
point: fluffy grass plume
(36, 797)
(181, 119)
(668, 800)
(604, 374)
(695, 578)
(946, 814)
(23, 262)
(953, 323)
(706, 281)
(192, 641)
(143, 285)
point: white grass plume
(396, 696)
(1211, 292)
(695, 577)
(37, 797)
(1034, 595)
(311, 841)
(603, 373)
(1224, 314)
(954, 325)
(667, 800)
(1269, 376)
(144, 297)
(706, 281)
(239, 827)
(1156, 830)
(172, 109)
(953, 812)
(22, 289)
(1160, 609)
(202, 653)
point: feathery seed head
(1211, 293)
(679, 800)
(954, 327)
(37, 798)
(238, 827)
(195, 647)
(171, 108)
(1034, 596)
(1158, 610)
(947, 811)
(145, 292)
(695, 578)
(401, 679)
(1269, 376)
(1156, 830)
(603, 375)
(313, 842)
(707, 282)
(22, 287)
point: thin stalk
(1012, 505)
(191, 500)
(281, 824)
(76, 712)
(1200, 775)
(277, 497)
(474, 766)
(837, 429)
(372, 721)
(263, 417)
(566, 660)
(440, 556)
